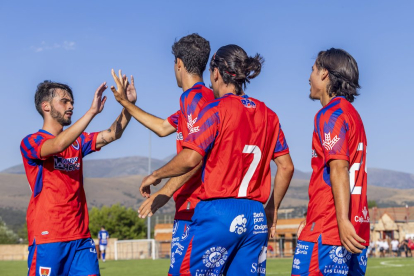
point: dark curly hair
(46, 91)
(194, 51)
(235, 66)
(343, 73)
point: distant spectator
(394, 247)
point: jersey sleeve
(173, 119)
(88, 142)
(333, 134)
(281, 147)
(203, 131)
(31, 145)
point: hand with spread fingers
(152, 204)
(98, 101)
(121, 86)
(349, 238)
(131, 93)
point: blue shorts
(226, 236)
(180, 234)
(72, 258)
(321, 259)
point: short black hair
(235, 66)
(343, 73)
(194, 51)
(46, 91)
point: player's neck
(188, 81)
(52, 126)
(325, 99)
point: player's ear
(46, 106)
(324, 74)
(216, 73)
(180, 64)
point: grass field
(376, 267)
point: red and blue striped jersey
(191, 102)
(57, 209)
(338, 135)
(238, 137)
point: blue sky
(78, 42)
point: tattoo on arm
(103, 139)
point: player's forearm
(150, 121)
(68, 136)
(283, 177)
(282, 182)
(184, 162)
(176, 183)
(115, 131)
(339, 176)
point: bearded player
(57, 215)
(236, 137)
(191, 55)
(333, 239)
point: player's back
(338, 135)
(238, 164)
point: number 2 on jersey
(257, 154)
(355, 167)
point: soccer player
(236, 137)
(191, 55)
(57, 215)
(334, 236)
(103, 237)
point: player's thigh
(51, 259)
(85, 261)
(305, 260)
(102, 247)
(179, 245)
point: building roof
(398, 214)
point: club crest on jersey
(248, 103)
(75, 145)
(66, 164)
(328, 143)
(45, 271)
(191, 123)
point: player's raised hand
(349, 238)
(131, 93)
(146, 183)
(121, 86)
(98, 101)
(152, 204)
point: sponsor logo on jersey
(45, 233)
(248, 103)
(45, 271)
(259, 267)
(364, 218)
(186, 232)
(296, 263)
(302, 249)
(314, 154)
(238, 225)
(175, 227)
(339, 255)
(66, 164)
(75, 145)
(180, 136)
(215, 257)
(190, 124)
(328, 143)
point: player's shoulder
(35, 137)
(337, 107)
(197, 91)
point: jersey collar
(46, 132)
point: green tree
(7, 236)
(372, 203)
(120, 222)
